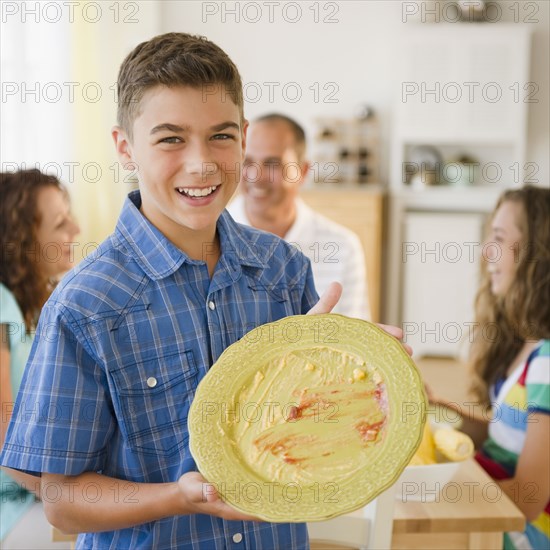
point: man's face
(272, 173)
(188, 147)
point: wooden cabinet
(361, 210)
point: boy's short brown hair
(174, 59)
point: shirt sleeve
(354, 281)
(63, 415)
(9, 310)
(538, 380)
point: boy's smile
(187, 147)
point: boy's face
(188, 148)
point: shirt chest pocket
(153, 398)
(272, 301)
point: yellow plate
(307, 418)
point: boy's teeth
(194, 192)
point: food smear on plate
(324, 424)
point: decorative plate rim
(212, 453)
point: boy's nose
(198, 161)
(203, 169)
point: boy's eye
(171, 139)
(223, 136)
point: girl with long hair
(510, 359)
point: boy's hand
(330, 298)
(201, 497)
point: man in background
(274, 170)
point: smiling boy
(121, 345)
(126, 337)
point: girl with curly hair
(37, 233)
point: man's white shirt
(335, 253)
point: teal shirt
(19, 341)
(13, 504)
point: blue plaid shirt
(120, 348)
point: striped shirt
(120, 348)
(524, 392)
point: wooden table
(471, 513)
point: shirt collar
(237, 244)
(160, 258)
(300, 227)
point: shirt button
(211, 305)
(237, 537)
(151, 381)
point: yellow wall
(98, 49)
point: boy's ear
(123, 146)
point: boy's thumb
(328, 300)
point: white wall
(356, 52)
(35, 61)
(538, 141)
